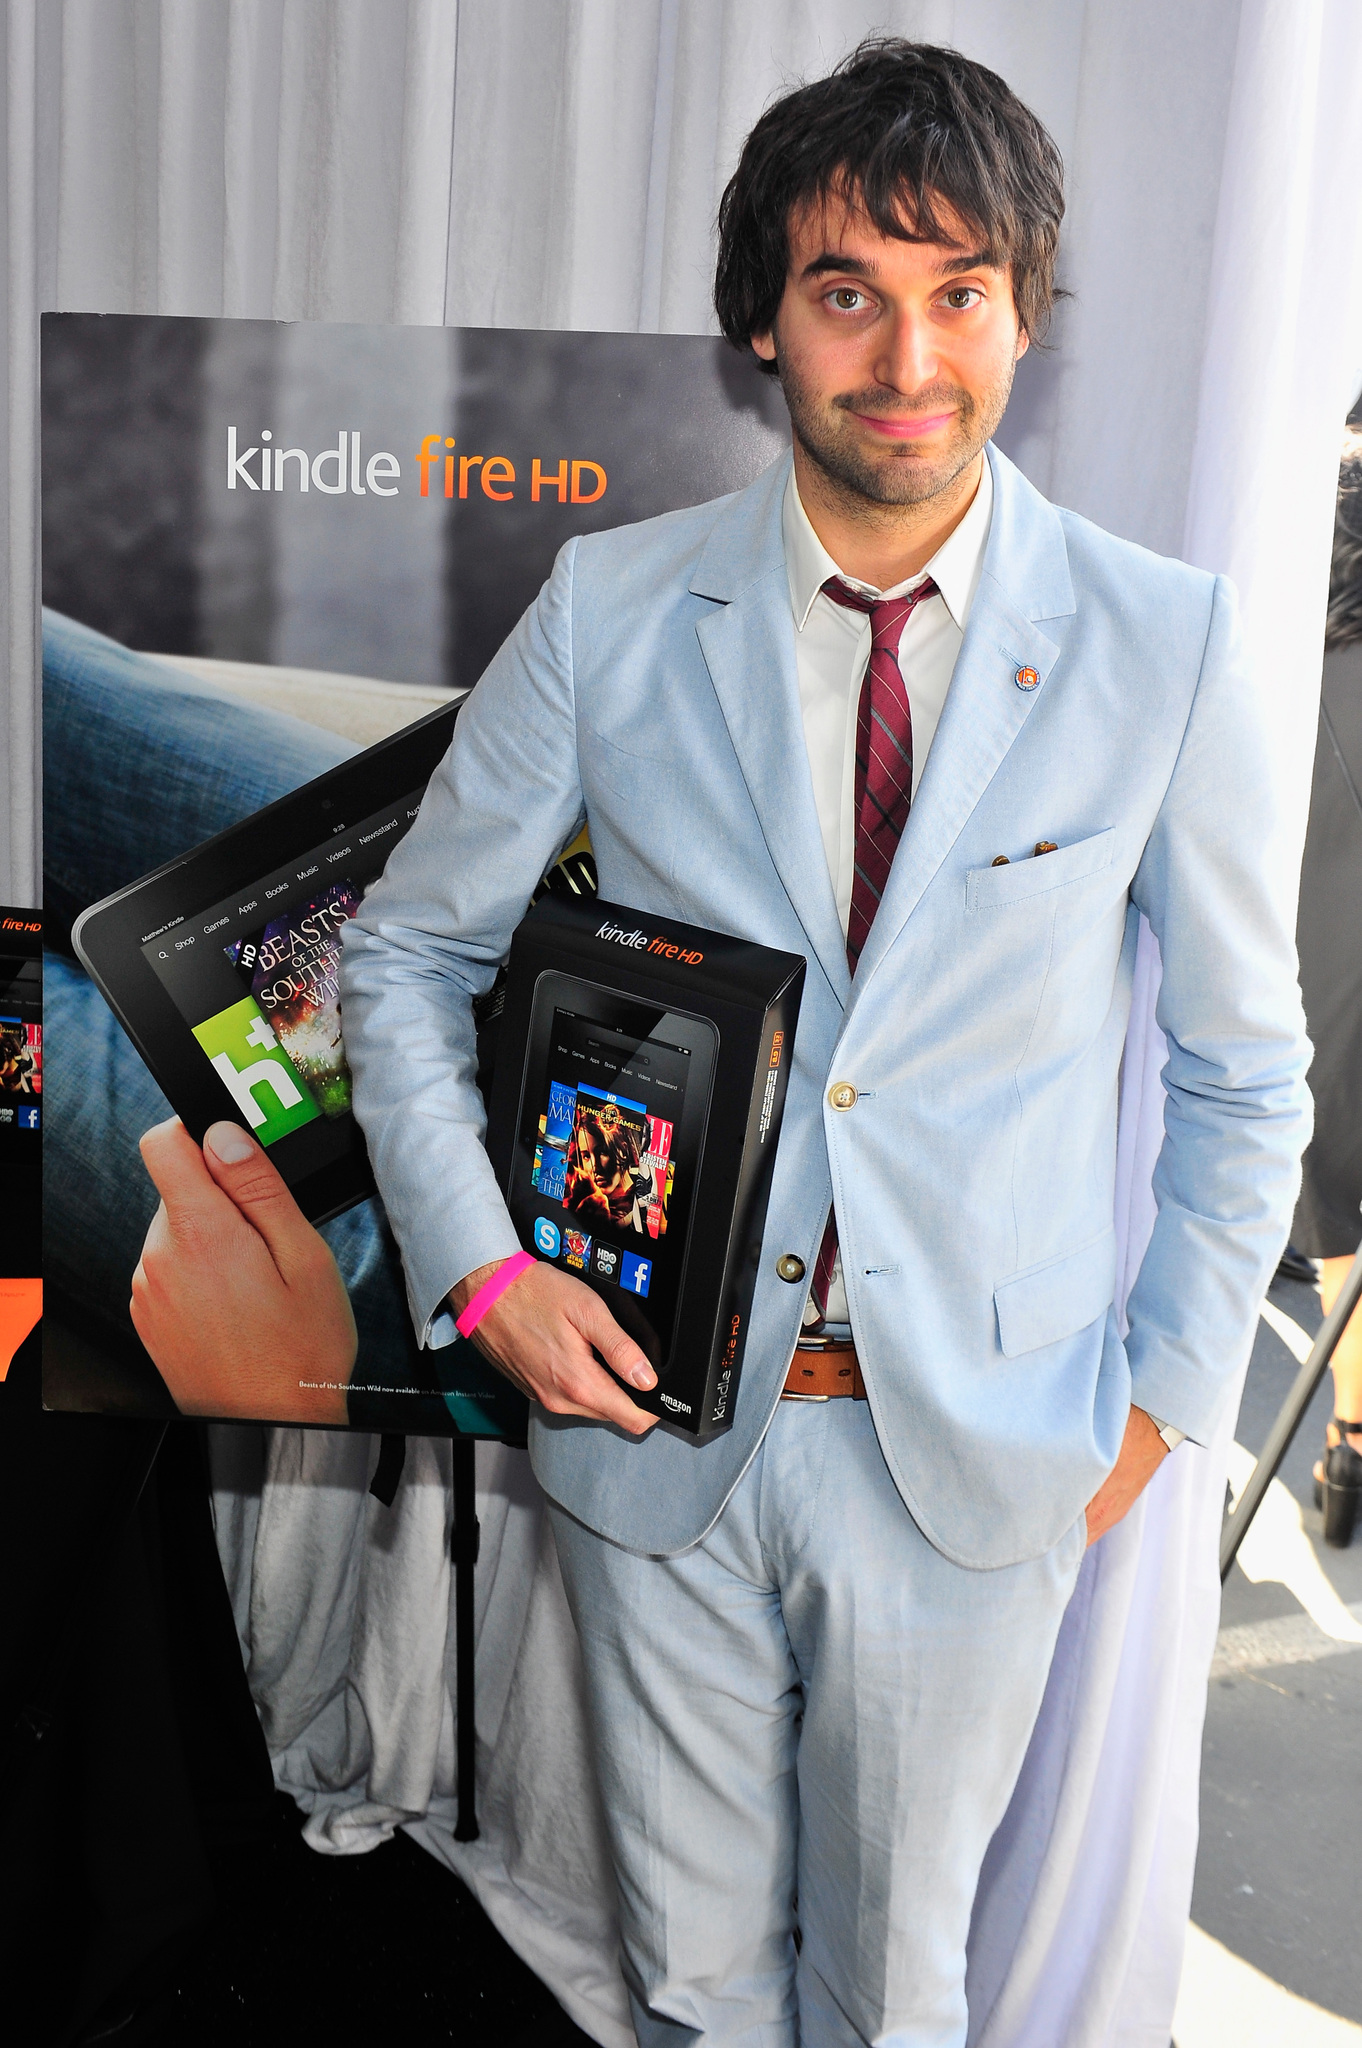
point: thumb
(176, 1167)
(258, 1189)
(619, 1350)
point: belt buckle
(838, 1337)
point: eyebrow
(982, 259)
(832, 260)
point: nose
(909, 358)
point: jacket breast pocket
(1057, 1298)
(633, 824)
(1019, 880)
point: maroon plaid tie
(884, 790)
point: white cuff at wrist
(1171, 1436)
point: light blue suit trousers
(813, 1705)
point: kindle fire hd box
(640, 1079)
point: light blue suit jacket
(651, 691)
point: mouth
(899, 427)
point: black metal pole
(1236, 1524)
(463, 1549)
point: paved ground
(1279, 1875)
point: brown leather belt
(823, 1369)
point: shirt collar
(954, 567)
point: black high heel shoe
(1338, 1485)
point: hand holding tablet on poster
(236, 1297)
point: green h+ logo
(256, 1071)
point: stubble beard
(902, 474)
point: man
(948, 743)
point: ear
(764, 345)
(1023, 344)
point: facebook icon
(29, 1120)
(635, 1273)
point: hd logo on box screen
(256, 1071)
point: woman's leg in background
(1347, 1361)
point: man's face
(896, 358)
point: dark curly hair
(903, 130)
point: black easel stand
(464, 1538)
(1236, 1524)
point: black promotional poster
(274, 558)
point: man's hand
(541, 1333)
(1142, 1453)
(235, 1296)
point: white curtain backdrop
(558, 163)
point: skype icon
(546, 1237)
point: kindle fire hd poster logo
(343, 470)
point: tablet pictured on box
(640, 1082)
(222, 966)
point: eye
(961, 297)
(847, 299)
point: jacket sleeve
(1218, 883)
(429, 938)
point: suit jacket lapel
(1025, 577)
(748, 643)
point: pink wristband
(492, 1290)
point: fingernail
(642, 1376)
(230, 1144)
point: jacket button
(790, 1267)
(842, 1095)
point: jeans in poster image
(116, 729)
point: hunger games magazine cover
(605, 1158)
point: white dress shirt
(832, 647)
